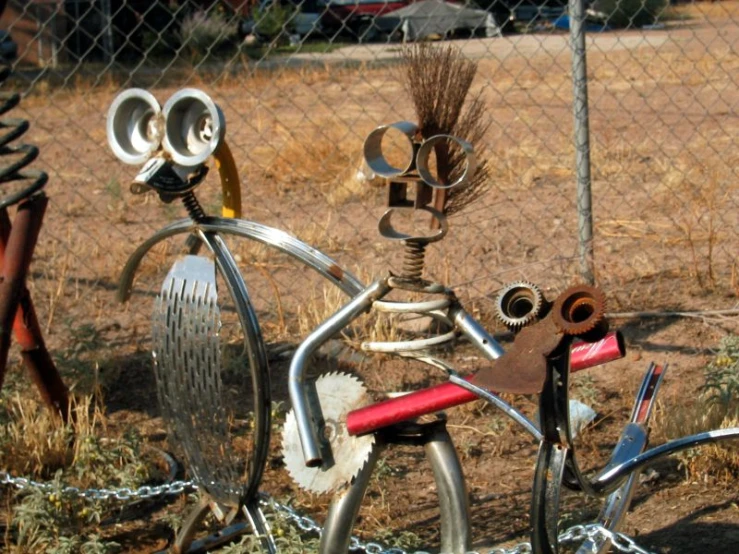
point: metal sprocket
(519, 304)
(338, 394)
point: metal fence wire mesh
(303, 83)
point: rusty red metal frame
(17, 314)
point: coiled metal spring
(194, 209)
(28, 181)
(414, 259)
(435, 308)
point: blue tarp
(563, 22)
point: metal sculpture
(335, 432)
(22, 187)
(543, 354)
(174, 143)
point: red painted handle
(447, 395)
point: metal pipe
(282, 241)
(615, 473)
(582, 139)
(26, 329)
(19, 240)
(342, 514)
(476, 333)
(302, 396)
(456, 535)
(37, 359)
(447, 395)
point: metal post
(108, 45)
(582, 140)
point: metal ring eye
(134, 126)
(424, 153)
(194, 126)
(519, 304)
(373, 154)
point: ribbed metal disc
(190, 379)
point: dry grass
(719, 461)
(716, 407)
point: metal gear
(518, 304)
(579, 310)
(338, 394)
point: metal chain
(576, 533)
(595, 531)
(121, 495)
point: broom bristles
(438, 81)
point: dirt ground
(666, 201)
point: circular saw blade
(338, 394)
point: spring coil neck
(22, 155)
(414, 258)
(194, 209)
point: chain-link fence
(302, 84)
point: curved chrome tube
(501, 404)
(311, 257)
(613, 475)
(302, 392)
(255, 350)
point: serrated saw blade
(338, 394)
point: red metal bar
(36, 357)
(17, 243)
(642, 411)
(18, 249)
(447, 395)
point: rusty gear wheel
(579, 310)
(518, 304)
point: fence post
(582, 140)
(108, 44)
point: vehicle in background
(295, 17)
(355, 18)
(507, 12)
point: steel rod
(447, 395)
(582, 139)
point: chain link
(124, 494)
(576, 533)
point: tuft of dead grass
(36, 442)
(717, 407)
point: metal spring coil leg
(12, 129)
(436, 309)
